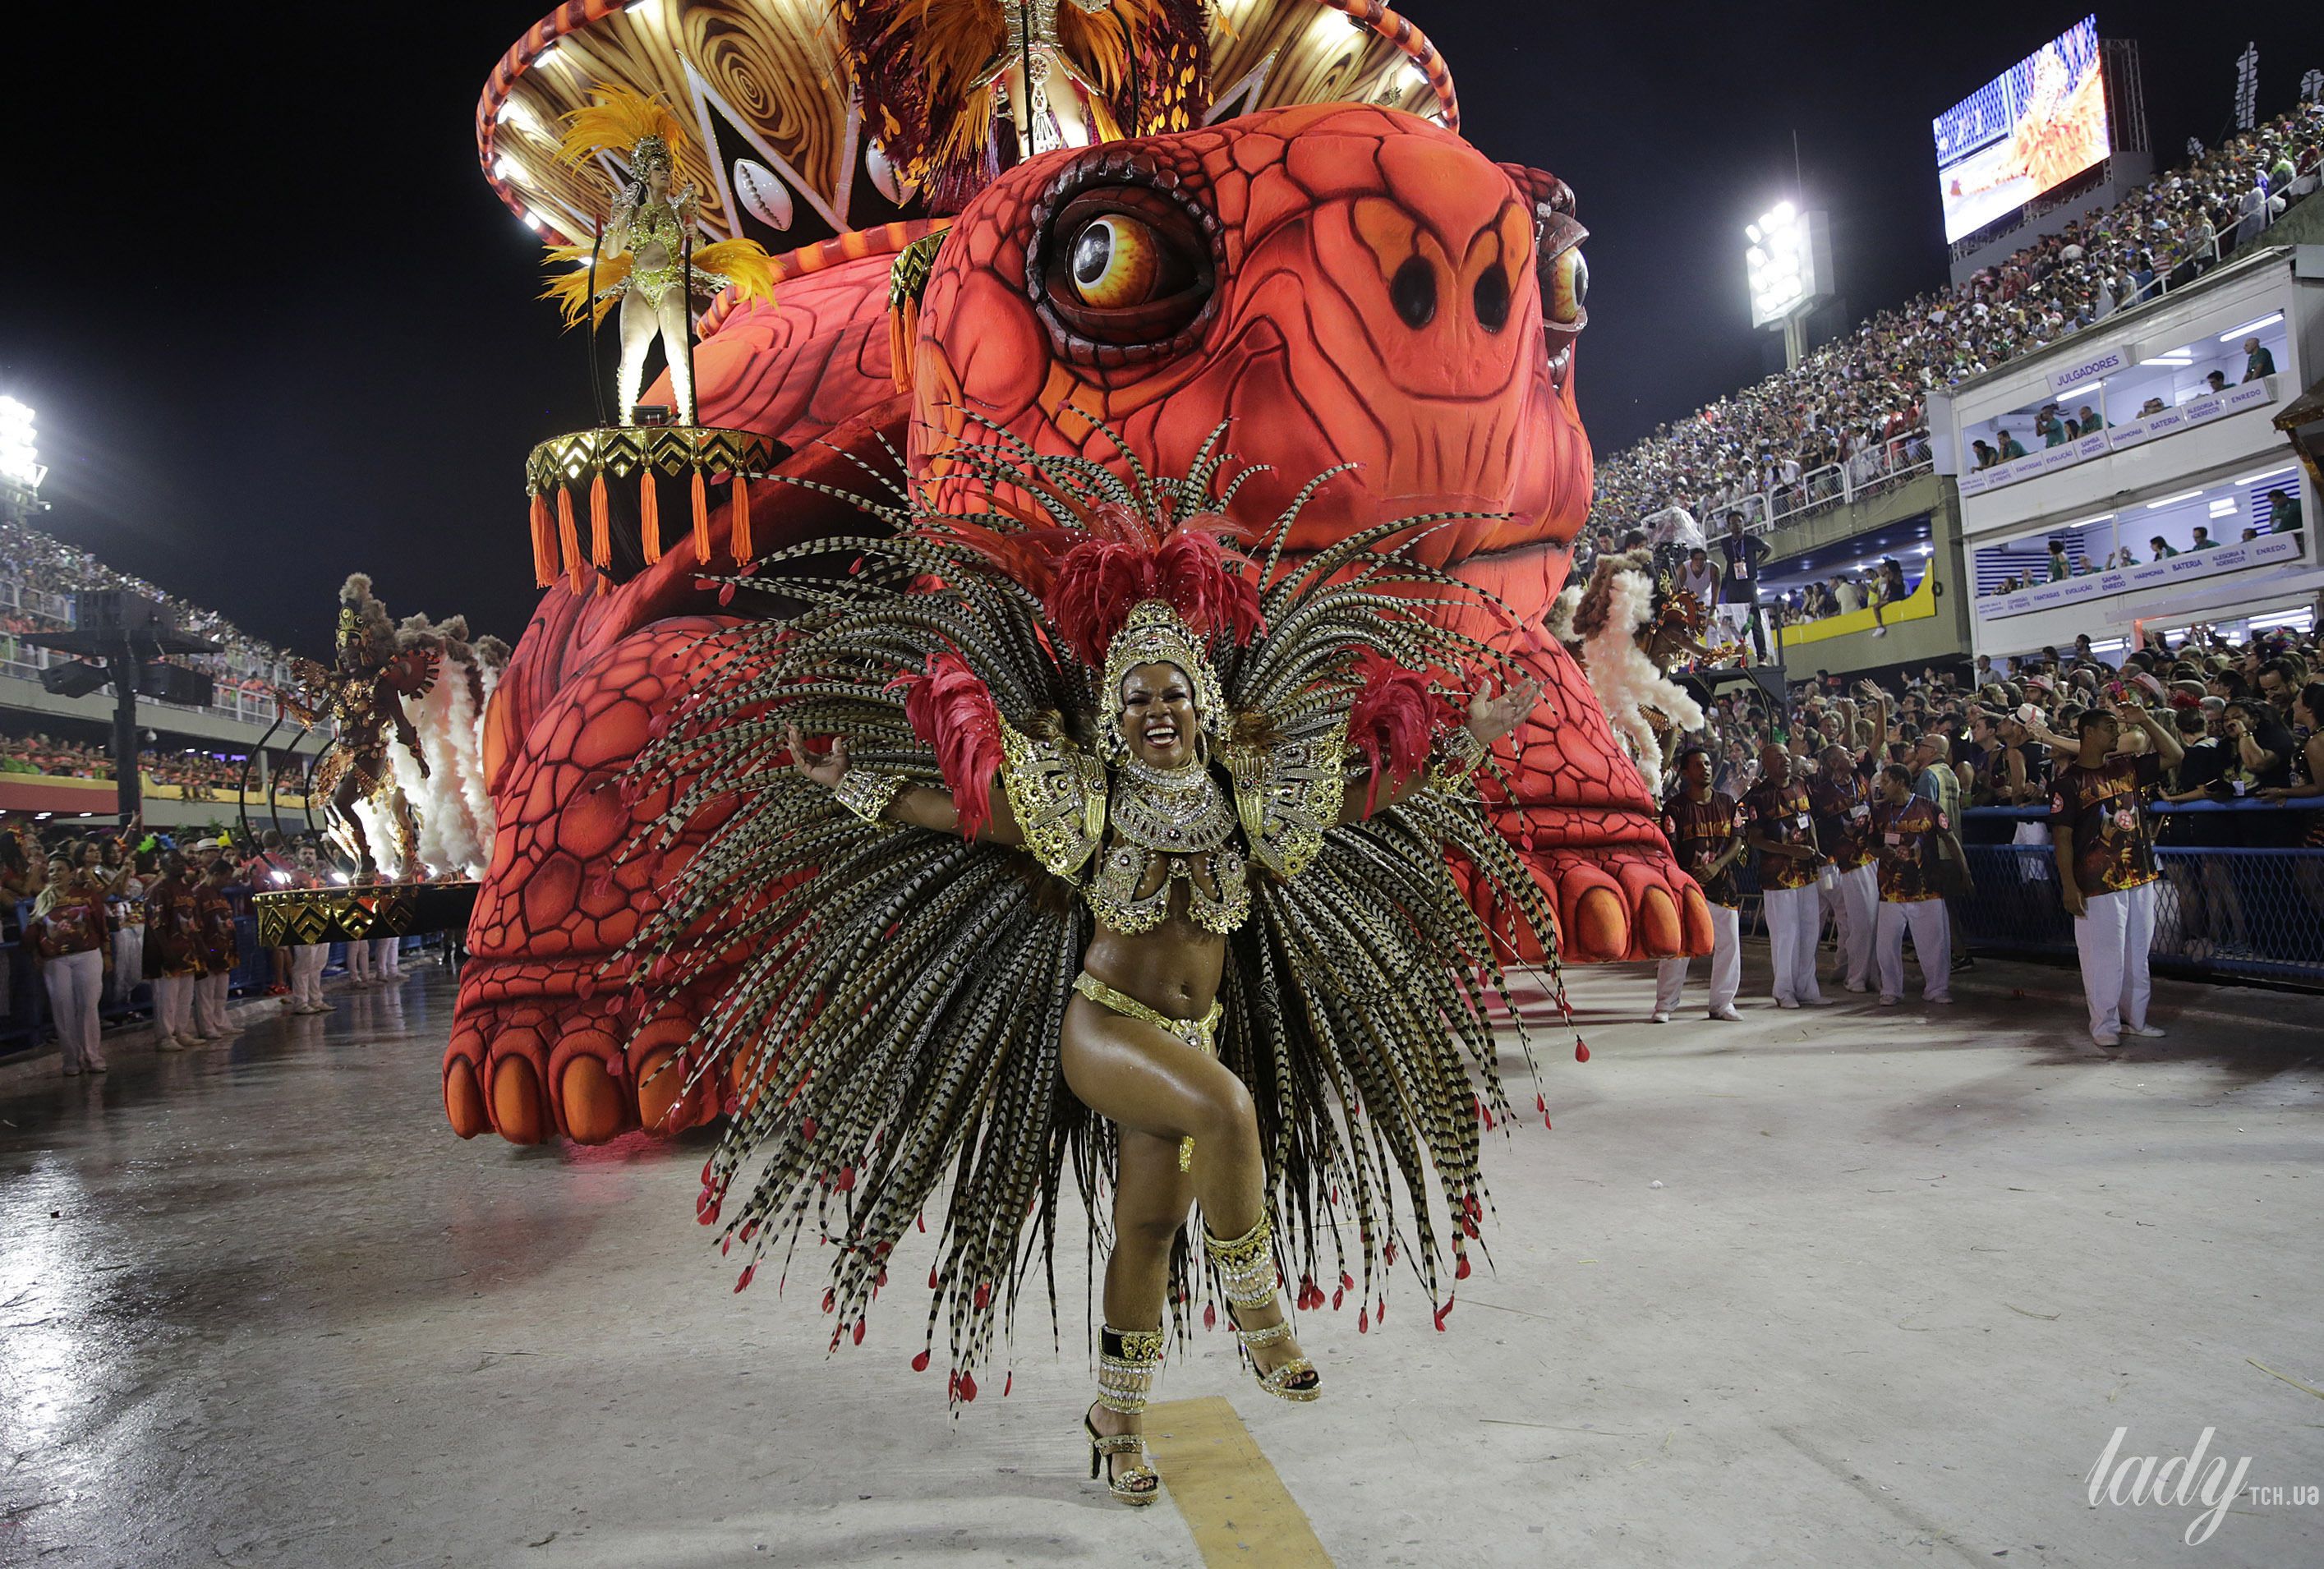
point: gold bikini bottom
(1201, 1033)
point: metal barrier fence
(2218, 912)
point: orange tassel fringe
(544, 544)
(738, 527)
(569, 537)
(600, 524)
(648, 515)
(701, 519)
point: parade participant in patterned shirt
(173, 960)
(68, 932)
(1912, 835)
(1840, 799)
(1705, 827)
(214, 923)
(1783, 830)
(2106, 863)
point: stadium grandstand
(55, 750)
(1852, 419)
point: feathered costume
(892, 1023)
(644, 131)
(363, 694)
(930, 74)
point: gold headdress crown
(1156, 634)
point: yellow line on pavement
(1238, 1508)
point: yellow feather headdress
(616, 122)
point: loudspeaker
(77, 679)
(168, 683)
(118, 610)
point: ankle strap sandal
(1128, 1359)
(1247, 1273)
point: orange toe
(464, 1099)
(595, 1109)
(519, 1112)
(1602, 928)
(1659, 930)
(662, 1086)
(1698, 936)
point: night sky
(277, 328)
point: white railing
(1868, 472)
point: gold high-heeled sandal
(1128, 1359)
(1246, 1266)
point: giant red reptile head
(1342, 284)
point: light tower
(1789, 269)
(21, 469)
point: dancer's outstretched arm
(917, 805)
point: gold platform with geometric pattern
(290, 916)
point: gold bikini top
(1073, 811)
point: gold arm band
(867, 792)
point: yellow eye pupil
(1114, 264)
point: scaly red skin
(1303, 353)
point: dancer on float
(1265, 983)
(644, 259)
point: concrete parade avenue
(1848, 1286)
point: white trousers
(1725, 965)
(306, 962)
(1932, 945)
(173, 998)
(2033, 868)
(209, 1003)
(359, 965)
(1794, 920)
(1853, 897)
(75, 982)
(128, 961)
(2113, 938)
(387, 958)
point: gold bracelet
(1457, 754)
(866, 791)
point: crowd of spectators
(40, 576)
(1850, 400)
(2244, 711)
(201, 775)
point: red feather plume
(1392, 722)
(1097, 582)
(951, 710)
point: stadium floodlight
(20, 457)
(1788, 271)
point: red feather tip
(1100, 580)
(951, 710)
(1392, 722)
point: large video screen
(2037, 124)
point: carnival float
(1148, 236)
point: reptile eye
(1116, 262)
(1565, 275)
(1126, 267)
(1569, 286)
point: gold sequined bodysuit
(656, 224)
